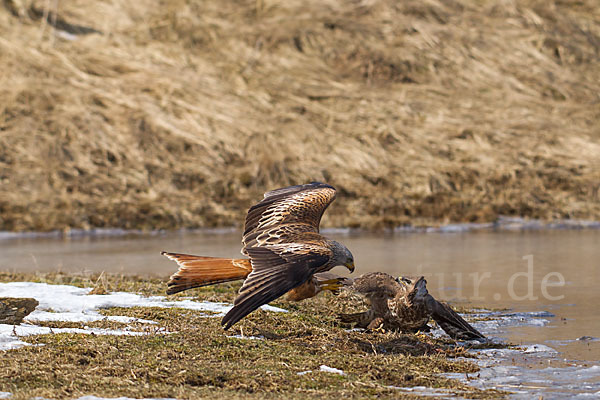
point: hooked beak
(350, 266)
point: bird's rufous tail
(196, 271)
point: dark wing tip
(451, 322)
(226, 323)
(173, 290)
(240, 311)
(321, 184)
(288, 190)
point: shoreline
(502, 224)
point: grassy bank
(197, 359)
(182, 113)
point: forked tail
(197, 271)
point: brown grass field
(198, 360)
(182, 113)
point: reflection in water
(518, 270)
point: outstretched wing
(276, 270)
(285, 212)
(449, 320)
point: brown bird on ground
(281, 238)
(404, 304)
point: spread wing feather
(300, 207)
(276, 270)
(449, 320)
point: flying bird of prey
(198, 271)
(404, 304)
(281, 238)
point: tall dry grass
(181, 113)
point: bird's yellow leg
(332, 285)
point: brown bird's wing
(449, 320)
(378, 287)
(275, 270)
(291, 210)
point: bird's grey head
(342, 256)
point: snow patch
(538, 348)
(426, 391)
(118, 398)
(325, 368)
(246, 337)
(72, 304)
(39, 316)
(5, 395)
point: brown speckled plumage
(287, 254)
(404, 304)
(282, 239)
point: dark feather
(449, 320)
(273, 275)
(289, 190)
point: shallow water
(522, 271)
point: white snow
(81, 317)
(80, 304)
(117, 398)
(246, 337)
(325, 368)
(73, 304)
(539, 348)
(7, 395)
(425, 391)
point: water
(548, 279)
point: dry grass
(199, 360)
(181, 114)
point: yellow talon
(334, 287)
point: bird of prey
(281, 238)
(198, 271)
(404, 304)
